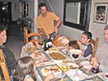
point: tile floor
(15, 40)
(15, 45)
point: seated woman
(85, 45)
(9, 56)
(25, 70)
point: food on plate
(70, 65)
(61, 41)
(64, 67)
(73, 67)
(53, 49)
(57, 56)
(55, 69)
(31, 49)
(40, 56)
(67, 66)
(36, 54)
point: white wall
(58, 6)
(15, 8)
(95, 28)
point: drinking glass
(74, 57)
(95, 70)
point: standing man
(47, 22)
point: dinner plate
(106, 76)
(96, 78)
(72, 65)
(56, 55)
(86, 64)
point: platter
(96, 78)
(43, 71)
(40, 55)
(55, 55)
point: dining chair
(95, 44)
(3, 67)
(33, 37)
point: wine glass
(94, 69)
(75, 54)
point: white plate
(57, 74)
(106, 78)
(86, 64)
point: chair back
(3, 67)
(95, 44)
(30, 37)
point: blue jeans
(52, 36)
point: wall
(95, 28)
(58, 6)
(15, 8)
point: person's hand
(94, 61)
(80, 46)
(47, 36)
(49, 77)
(79, 43)
(56, 30)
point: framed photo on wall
(100, 13)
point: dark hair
(88, 34)
(106, 27)
(41, 5)
(2, 27)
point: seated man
(8, 55)
(101, 56)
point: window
(77, 14)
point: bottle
(45, 47)
(47, 44)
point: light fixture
(5, 7)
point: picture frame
(100, 13)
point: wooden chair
(30, 37)
(33, 34)
(3, 66)
(95, 44)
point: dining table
(58, 60)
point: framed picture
(100, 13)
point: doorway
(5, 13)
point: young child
(25, 70)
(85, 45)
